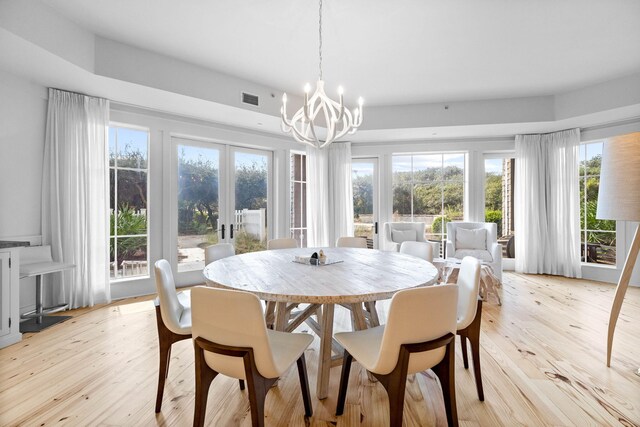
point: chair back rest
(170, 307)
(219, 251)
(231, 318)
(422, 250)
(418, 315)
(35, 254)
(491, 227)
(419, 228)
(284, 243)
(468, 288)
(351, 242)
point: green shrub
(130, 223)
(494, 216)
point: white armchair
(394, 233)
(478, 240)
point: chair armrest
(450, 249)
(392, 246)
(496, 252)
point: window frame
(582, 180)
(303, 208)
(147, 170)
(441, 181)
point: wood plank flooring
(543, 363)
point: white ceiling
(390, 52)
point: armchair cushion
(480, 254)
(399, 236)
(471, 239)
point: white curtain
(75, 195)
(317, 198)
(547, 200)
(340, 192)
(329, 194)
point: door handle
(376, 227)
(231, 231)
(222, 229)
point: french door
(219, 193)
(364, 179)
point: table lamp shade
(619, 194)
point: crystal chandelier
(338, 120)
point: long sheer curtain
(75, 195)
(329, 194)
(547, 201)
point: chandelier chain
(337, 120)
(320, 37)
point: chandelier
(318, 107)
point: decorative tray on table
(316, 259)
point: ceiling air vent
(247, 98)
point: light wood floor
(543, 356)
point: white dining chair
(351, 242)
(419, 335)
(422, 250)
(231, 338)
(218, 251)
(173, 317)
(470, 315)
(284, 243)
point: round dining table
(354, 278)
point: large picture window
(429, 188)
(598, 237)
(128, 231)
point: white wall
(22, 126)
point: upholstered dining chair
(218, 251)
(351, 242)
(422, 250)
(470, 315)
(419, 335)
(284, 243)
(173, 317)
(230, 337)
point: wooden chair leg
(204, 376)
(395, 384)
(257, 388)
(445, 372)
(344, 382)
(304, 385)
(473, 332)
(163, 369)
(166, 338)
(463, 347)
(395, 391)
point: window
(429, 188)
(299, 198)
(197, 203)
(499, 200)
(598, 237)
(364, 185)
(128, 172)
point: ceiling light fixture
(338, 120)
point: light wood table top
(364, 275)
